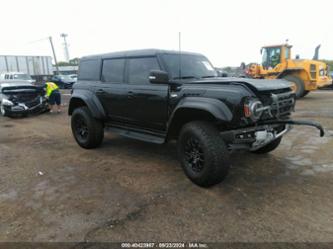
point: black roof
(141, 52)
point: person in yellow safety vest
(53, 95)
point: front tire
(269, 147)
(203, 154)
(87, 131)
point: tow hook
(299, 122)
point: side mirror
(158, 77)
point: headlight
(7, 102)
(253, 109)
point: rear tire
(203, 154)
(300, 88)
(269, 147)
(87, 131)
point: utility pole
(63, 35)
(54, 55)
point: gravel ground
(52, 190)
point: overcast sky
(227, 32)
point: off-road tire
(269, 147)
(300, 88)
(93, 127)
(215, 164)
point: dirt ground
(53, 190)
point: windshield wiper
(185, 77)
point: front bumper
(256, 137)
(21, 108)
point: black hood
(256, 84)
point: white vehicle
(15, 76)
(73, 76)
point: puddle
(9, 196)
(307, 172)
(8, 125)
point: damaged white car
(21, 99)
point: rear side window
(139, 69)
(89, 70)
(113, 70)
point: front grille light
(253, 109)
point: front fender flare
(91, 100)
(214, 106)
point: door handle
(100, 91)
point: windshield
(22, 76)
(271, 56)
(192, 66)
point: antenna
(180, 54)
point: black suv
(158, 96)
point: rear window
(89, 70)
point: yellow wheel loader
(306, 75)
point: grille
(282, 104)
(313, 71)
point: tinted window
(89, 70)
(192, 66)
(113, 70)
(139, 69)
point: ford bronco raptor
(158, 96)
